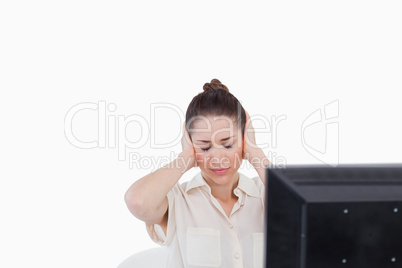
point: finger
(247, 115)
(185, 136)
(249, 122)
(186, 139)
(249, 125)
(185, 132)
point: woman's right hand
(188, 153)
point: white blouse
(199, 233)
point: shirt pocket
(258, 250)
(203, 247)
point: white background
(62, 206)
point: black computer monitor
(334, 217)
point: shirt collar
(197, 181)
(246, 184)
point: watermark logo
(113, 128)
(320, 134)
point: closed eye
(226, 146)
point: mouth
(220, 171)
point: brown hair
(216, 100)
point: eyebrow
(224, 139)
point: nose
(218, 157)
(218, 152)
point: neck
(224, 192)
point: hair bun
(214, 84)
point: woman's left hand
(249, 143)
(252, 152)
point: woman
(217, 218)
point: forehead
(217, 127)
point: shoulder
(252, 186)
(256, 180)
(180, 189)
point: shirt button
(242, 204)
(237, 255)
(230, 226)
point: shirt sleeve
(155, 231)
(261, 188)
